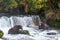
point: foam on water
(6, 23)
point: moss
(54, 23)
(1, 34)
(24, 32)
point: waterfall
(4, 22)
(24, 21)
(8, 22)
(28, 23)
(17, 21)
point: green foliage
(59, 4)
(54, 23)
(54, 4)
(37, 4)
(11, 4)
(18, 1)
(34, 4)
(1, 2)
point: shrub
(54, 23)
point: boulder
(43, 26)
(24, 32)
(52, 33)
(15, 29)
(1, 34)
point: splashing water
(35, 34)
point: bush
(24, 32)
(54, 23)
(1, 34)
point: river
(35, 34)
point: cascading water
(28, 24)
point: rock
(52, 33)
(15, 29)
(24, 32)
(43, 26)
(1, 34)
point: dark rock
(24, 32)
(1, 34)
(15, 29)
(51, 33)
(43, 26)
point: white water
(35, 34)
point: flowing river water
(35, 34)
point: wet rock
(15, 29)
(1, 34)
(43, 26)
(52, 33)
(24, 32)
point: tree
(37, 4)
(10, 4)
(54, 6)
(1, 5)
(1, 2)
